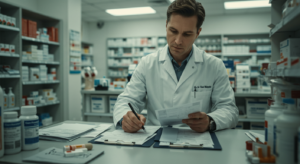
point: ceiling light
(246, 4)
(131, 11)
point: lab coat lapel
(192, 66)
(167, 64)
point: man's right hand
(131, 124)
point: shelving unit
(13, 35)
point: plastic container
(286, 126)
(299, 145)
(12, 133)
(5, 99)
(1, 122)
(30, 128)
(11, 99)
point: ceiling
(94, 10)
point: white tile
(89, 8)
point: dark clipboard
(149, 143)
(217, 145)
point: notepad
(137, 138)
(65, 131)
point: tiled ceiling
(94, 10)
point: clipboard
(149, 143)
(217, 145)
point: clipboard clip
(118, 142)
(185, 145)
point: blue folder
(217, 145)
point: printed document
(97, 131)
(175, 115)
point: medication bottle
(287, 125)
(1, 122)
(30, 128)
(12, 133)
(299, 145)
(53, 72)
(11, 98)
(5, 97)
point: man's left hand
(198, 122)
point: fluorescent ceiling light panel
(246, 4)
(131, 11)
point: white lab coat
(156, 78)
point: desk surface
(231, 140)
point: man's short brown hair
(187, 8)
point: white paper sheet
(97, 130)
(253, 135)
(169, 134)
(172, 116)
(56, 155)
(139, 137)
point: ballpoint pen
(135, 114)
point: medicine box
(119, 85)
(240, 125)
(257, 126)
(290, 48)
(46, 92)
(242, 69)
(243, 77)
(112, 102)
(243, 84)
(243, 90)
(98, 104)
(34, 74)
(256, 108)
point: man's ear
(198, 32)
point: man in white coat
(180, 73)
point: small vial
(12, 133)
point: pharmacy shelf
(246, 43)
(88, 54)
(118, 66)
(9, 55)
(253, 94)
(102, 92)
(123, 76)
(289, 23)
(292, 72)
(131, 46)
(40, 82)
(216, 54)
(40, 62)
(11, 109)
(86, 65)
(54, 122)
(99, 114)
(251, 120)
(39, 41)
(247, 54)
(47, 104)
(9, 76)
(8, 28)
(134, 56)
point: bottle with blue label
(30, 128)
(12, 133)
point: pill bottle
(12, 133)
(30, 128)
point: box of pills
(290, 48)
(6, 47)
(12, 49)
(13, 22)
(98, 104)
(112, 102)
(2, 48)
(34, 74)
(243, 90)
(1, 19)
(46, 92)
(256, 108)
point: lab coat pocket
(204, 96)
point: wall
(85, 33)
(28, 4)
(225, 24)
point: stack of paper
(65, 131)
(138, 138)
(97, 131)
(253, 136)
(185, 137)
(55, 155)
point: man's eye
(173, 31)
(187, 34)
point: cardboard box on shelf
(98, 104)
(290, 48)
(24, 27)
(243, 90)
(112, 102)
(256, 108)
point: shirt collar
(185, 60)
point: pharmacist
(169, 78)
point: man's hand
(198, 121)
(131, 124)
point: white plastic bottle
(5, 97)
(30, 128)
(275, 110)
(12, 133)
(1, 122)
(287, 125)
(11, 98)
(299, 145)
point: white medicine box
(112, 102)
(242, 69)
(256, 108)
(98, 104)
(290, 48)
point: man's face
(181, 34)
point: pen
(135, 114)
